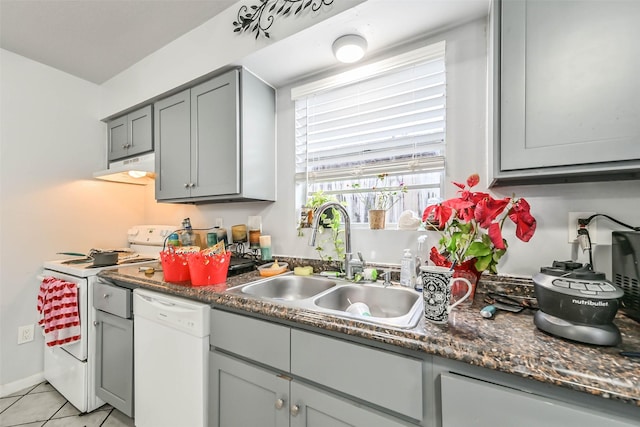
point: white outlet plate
(25, 334)
(572, 230)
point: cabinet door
(322, 359)
(172, 133)
(114, 361)
(215, 137)
(569, 83)
(117, 138)
(244, 395)
(467, 403)
(140, 131)
(314, 408)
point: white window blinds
(351, 127)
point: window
(383, 118)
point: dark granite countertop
(508, 343)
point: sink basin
(393, 306)
(289, 288)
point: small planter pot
(377, 219)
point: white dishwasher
(171, 347)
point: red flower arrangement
(471, 227)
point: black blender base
(606, 335)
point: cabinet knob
(279, 403)
(96, 323)
(124, 146)
(295, 410)
(186, 185)
(105, 296)
(192, 184)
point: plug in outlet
(25, 334)
(573, 226)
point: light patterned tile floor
(43, 406)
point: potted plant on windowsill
(470, 228)
(384, 198)
(330, 243)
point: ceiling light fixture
(349, 48)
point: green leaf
(482, 263)
(464, 227)
(478, 249)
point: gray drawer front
(112, 299)
(264, 342)
(386, 379)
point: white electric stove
(70, 369)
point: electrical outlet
(573, 226)
(25, 334)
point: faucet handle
(357, 266)
(387, 278)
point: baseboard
(7, 389)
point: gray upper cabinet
(131, 134)
(216, 141)
(568, 90)
(172, 133)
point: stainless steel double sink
(392, 306)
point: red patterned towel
(58, 308)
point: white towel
(58, 308)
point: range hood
(138, 170)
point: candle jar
(265, 248)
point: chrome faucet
(347, 232)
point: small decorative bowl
(268, 270)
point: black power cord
(583, 232)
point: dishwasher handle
(156, 301)
(162, 304)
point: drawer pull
(295, 410)
(279, 403)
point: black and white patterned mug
(436, 291)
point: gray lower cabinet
(114, 361)
(242, 394)
(468, 402)
(312, 407)
(130, 134)
(278, 376)
(275, 400)
(568, 99)
(216, 141)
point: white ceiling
(97, 39)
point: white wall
(51, 141)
